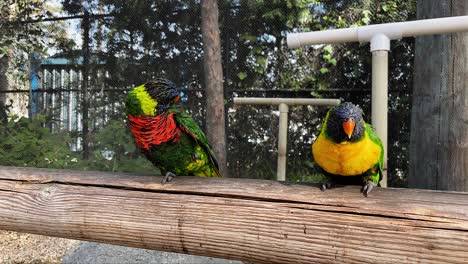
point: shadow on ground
(96, 253)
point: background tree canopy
(145, 39)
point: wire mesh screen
(62, 97)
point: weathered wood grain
(252, 220)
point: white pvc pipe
(379, 102)
(288, 101)
(380, 35)
(391, 30)
(282, 142)
(284, 104)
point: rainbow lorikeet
(348, 149)
(168, 136)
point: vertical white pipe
(79, 124)
(380, 101)
(70, 101)
(282, 141)
(62, 100)
(54, 86)
(44, 94)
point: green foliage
(242, 75)
(114, 150)
(29, 143)
(141, 38)
(146, 39)
(20, 40)
(263, 28)
(115, 137)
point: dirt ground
(16, 248)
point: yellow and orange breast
(347, 158)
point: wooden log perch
(257, 221)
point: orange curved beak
(176, 99)
(348, 127)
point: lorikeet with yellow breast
(348, 150)
(168, 136)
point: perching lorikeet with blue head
(348, 149)
(168, 136)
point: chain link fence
(68, 111)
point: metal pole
(380, 101)
(282, 141)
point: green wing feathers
(377, 177)
(188, 125)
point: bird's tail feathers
(216, 172)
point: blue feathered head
(345, 123)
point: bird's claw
(367, 188)
(326, 185)
(168, 177)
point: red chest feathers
(154, 130)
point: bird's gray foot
(327, 184)
(367, 188)
(168, 177)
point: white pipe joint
(283, 108)
(379, 42)
(391, 30)
(379, 36)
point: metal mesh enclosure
(87, 57)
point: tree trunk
(3, 86)
(84, 86)
(215, 120)
(4, 64)
(439, 121)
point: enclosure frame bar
(379, 36)
(283, 107)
